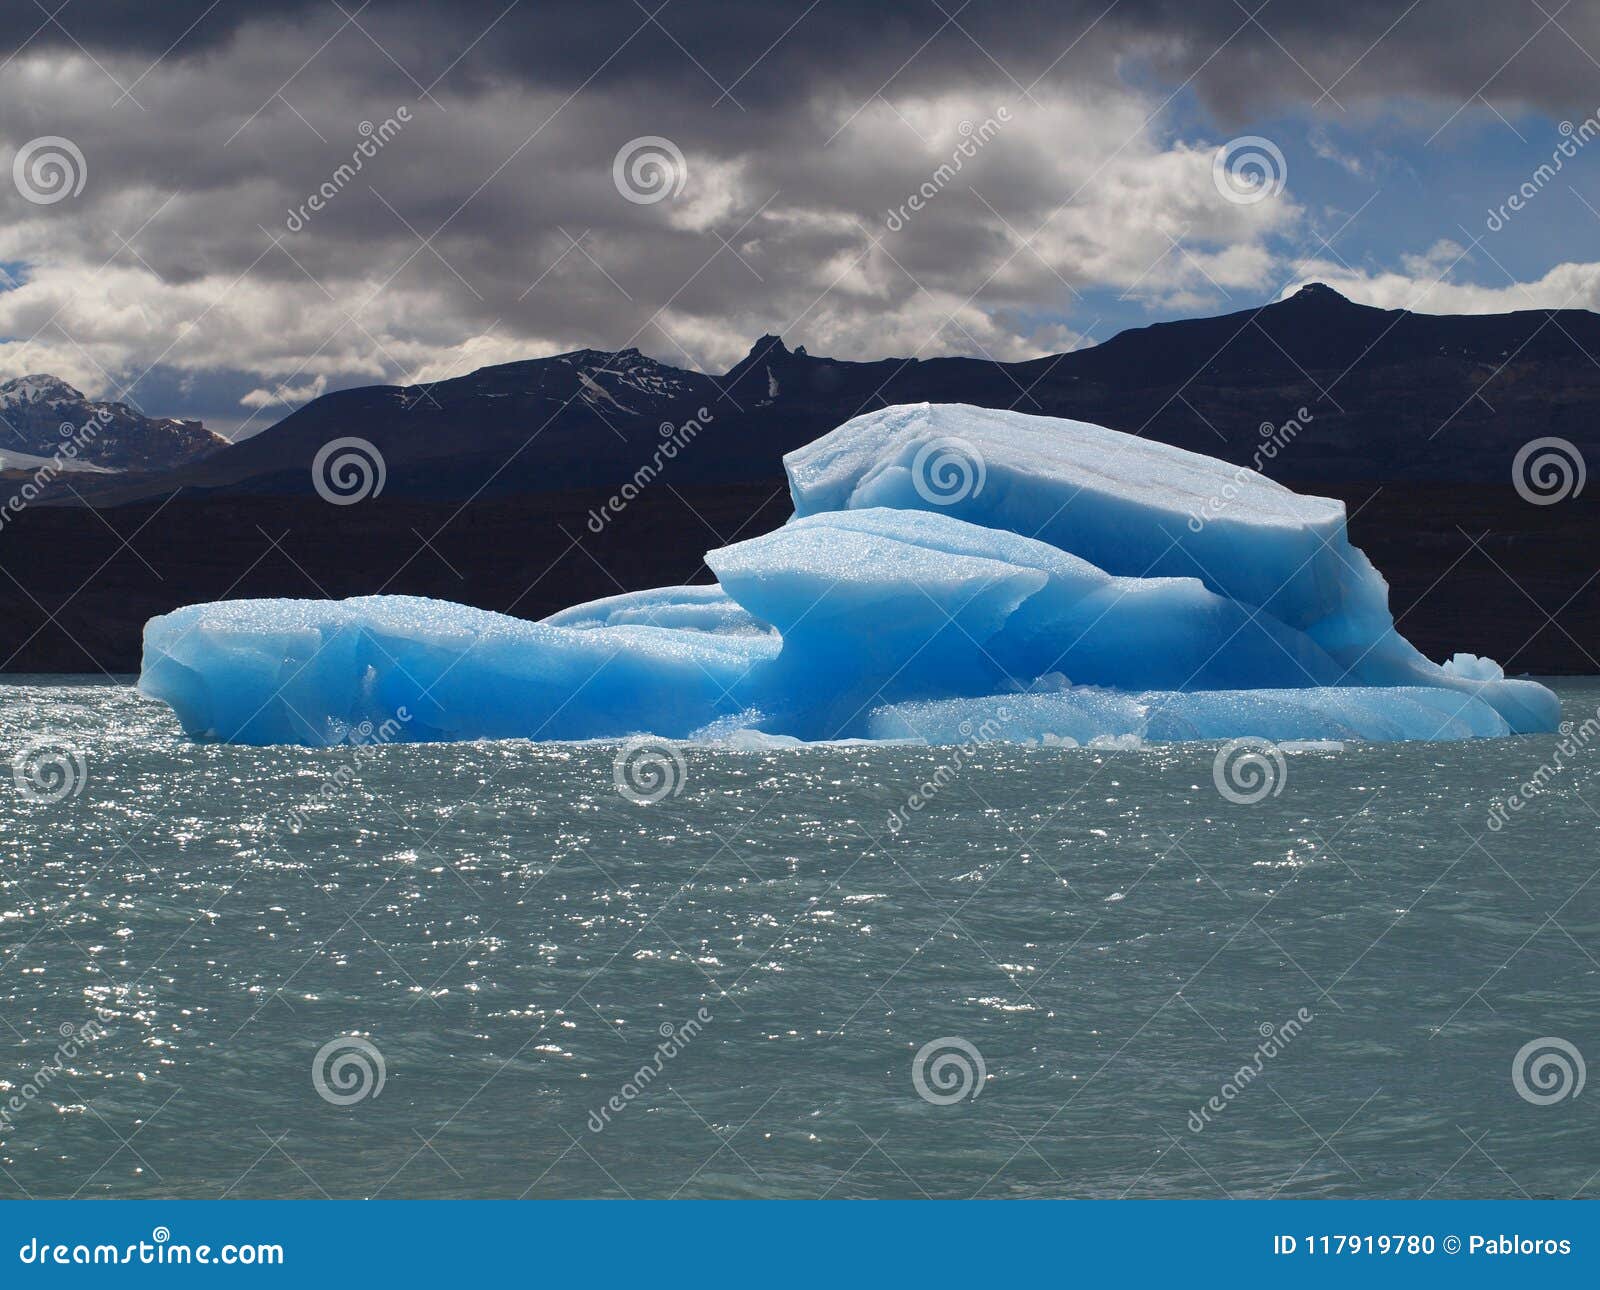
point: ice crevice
(947, 568)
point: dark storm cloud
(1240, 54)
(492, 226)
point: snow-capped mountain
(570, 418)
(623, 383)
(40, 413)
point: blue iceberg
(947, 568)
(316, 672)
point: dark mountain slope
(492, 478)
(1391, 395)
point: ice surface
(879, 604)
(945, 563)
(1085, 714)
(313, 672)
(1128, 505)
(1474, 668)
(1146, 510)
(701, 609)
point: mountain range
(1413, 420)
(1390, 395)
(38, 414)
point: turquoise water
(512, 940)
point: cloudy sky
(221, 209)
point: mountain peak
(768, 346)
(588, 360)
(1319, 292)
(39, 387)
(40, 411)
(768, 349)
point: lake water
(480, 969)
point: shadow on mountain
(492, 481)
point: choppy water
(510, 935)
